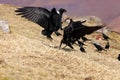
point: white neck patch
(58, 12)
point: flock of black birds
(51, 21)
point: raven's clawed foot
(44, 32)
(49, 37)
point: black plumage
(82, 49)
(107, 46)
(118, 57)
(98, 46)
(49, 20)
(105, 37)
(75, 30)
(80, 43)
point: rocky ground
(25, 54)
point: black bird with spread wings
(75, 30)
(49, 20)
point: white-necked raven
(75, 30)
(49, 20)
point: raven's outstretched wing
(38, 15)
(89, 30)
(83, 30)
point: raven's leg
(61, 43)
(47, 33)
(70, 46)
(49, 37)
(81, 46)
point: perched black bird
(107, 45)
(49, 20)
(85, 39)
(68, 39)
(75, 30)
(98, 46)
(119, 57)
(105, 37)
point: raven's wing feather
(38, 15)
(89, 30)
(83, 30)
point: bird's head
(61, 10)
(53, 10)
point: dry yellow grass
(27, 55)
